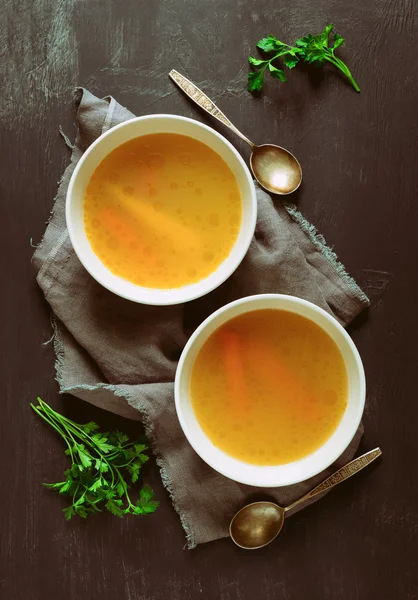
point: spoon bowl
(276, 169)
(256, 525)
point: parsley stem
(126, 464)
(54, 426)
(337, 62)
(70, 426)
(77, 430)
(125, 487)
(75, 493)
(93, 503)
(112, 473)
(117, 452)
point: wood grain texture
(360, 188)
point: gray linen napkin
(122, 356)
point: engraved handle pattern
(346, 471)
(342, 474)
(199, 97)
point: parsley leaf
(134, 472)
(113, 506)
(277, 73)
(68, 512)
(310, 48)
(101, 441)
(256, 62)
(325, 34)
(96, 485)
(89, 427)
(270, 44)
(139, 448)
(84, 456)
(338, 41)
(100, 464)
(255, 80)
(81, 511)
(290, 60)
(122, 438)
(145, 504)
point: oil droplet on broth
(208, 256)
(330, 397)
(155, 161)
(125, 224)
(214, 220)
(185, 159)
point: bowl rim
(313, 470)
(166, 298)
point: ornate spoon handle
(342, 474)
(191, 90)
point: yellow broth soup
(162, 211)
(269, 387)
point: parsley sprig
(311, 49)
(100, 463)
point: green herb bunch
(100, 464)
(311, 49)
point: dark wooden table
(359, 155)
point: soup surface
(162, 211)
(269, 387)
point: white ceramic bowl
(271, 476)
(114, 138)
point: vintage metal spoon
(275, 168)
(259, 523)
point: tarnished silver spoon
(274, 167)
(259, 523)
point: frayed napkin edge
(321, 245)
